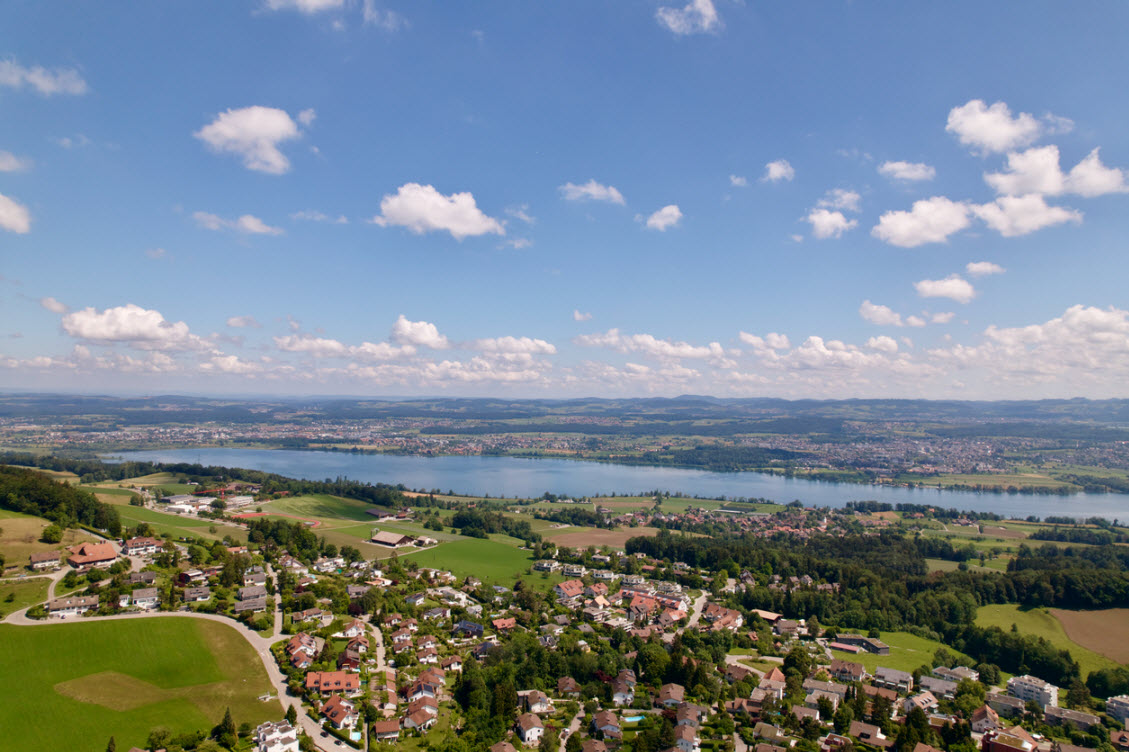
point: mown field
(178, 526)
(1046, 623)
(494, 562)
(907, 652)
(19, 537)
(80, 683)
(582, 537)
(1105, 632)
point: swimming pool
(633, 718)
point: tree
(112, 746)
(1078, 696)
(225, 732)
(51, 534)
(292, 715)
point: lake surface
(516, 477)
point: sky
(585, 198)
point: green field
(19, 537)
(24, 593)
(907, 652)
(321, 506)
(1041, 623)
(493, 562)
(176, 525)
(81, 683)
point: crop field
(907, 652)
(493, 562)
(1043, 623)
(63, 476)
(124, 678)
(321, 506)
(581, 537)
(1104, 632)
(19, 537)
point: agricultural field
(178, 526)
(1017, 480)
(1104, 632)
(23, 593)
(582, 537)
(19, 537)
(907, 652)
(321, 506)
(63, 476)
(1044, 623)
(124, 678)
(493, 562)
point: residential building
(1005, 705)
(386, 731)
(686, 739)
(1029, 687)
(279, 736)
(341, 712)
(197, 594)
(330, 682)
(45, 560)
(88, 555)
(64, 607)
(607, 723)
(671, 695)
(146, 598)
(1118, 707)
(892, 678)
(985, 719)
(530, 729)
(847, 671)
(869, 734)
(1056, 716)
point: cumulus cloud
(389, 20)
(738, 182)
(839, 198)
(54, 306)
(421, 208)
(1037, 170)
(248, 224)
(1091, 178)
(983, 268)
(879, 314)
(144, 329)
(316, 346)
(770, 341)
(242, 322)
(991, 128)
(696, 17)
(591, 191)
(43, 81)
(829, 224)
(907, 171)
(1012, 216)
(578, 316)
(254, 134)
(305, 6)
(931, 220)
(942, 318)
(521, 212)
(779, 170)
(665, 218)
(422, 333)
(953, 287)
(882, 343)
(9, 162)
(649, 345)
(310, 215)
(230, 364)
(514, 345)
(14, 216)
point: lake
(517, 477)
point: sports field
(1100, 629)
(72, 686)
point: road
(696, 610)
(573, 727)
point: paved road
(696, 610)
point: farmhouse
(141, 546)
(45, 560)
(868, 644)
(87, 555)
(390, 539)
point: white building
(1029, 687)
(276, 737)
(1118, 707)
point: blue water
(515, 477)
(634, 718)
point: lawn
(321, 506)
(19, 538)
(493, 562)
(23, 593)
(83, 682)
(177, 525)
(907, 652)
(1042, 623)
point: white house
(279, 736)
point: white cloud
(315, 346)
(54, 306)
(231, 364)
(829, 224)
(591, 191)
(696, 17)
(737, 181)
(14, 216)
(929, 221)
(880, 314)
(253, 133)
(578, 316)
(991, 129)
(70, 143)
(9, 162)
(942, 318)
(882, 343)
(305, 6)
(907, 171)
(521, 212)
(518, 243)
(1037, 171)
(311, 215)
(241, 322)
(770, 341)
(247, 224)
(779, 170)
(1012, 216)
(421, 208)
(953, 287)
(665, 218)
(389, 20)
(142, 328)
(983, 268)
(1091, 178)
(307, 116)
(44, 81)
(839, 198)
(422, 333)
(650, 345)
(514, 345)
(915, 321)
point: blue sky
(565, 199)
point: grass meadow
(1046, 623)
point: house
(146, 598)
(437, 613)
(956, 674)
(340, 712)
(416, 599)
(64, 607)
(546, 565)
(568, 687)
(454, 663)
(197, 594)
(420, 688)
(504, 625)
(89, 555)
(939, 687)
(771, 733)
(686, 739)
(254, 605)
(1005, 705)
(1014, 739)
(428, 705)
(45, 560)
(302, 643)
(569, 589)
(469, 629)
(355, 628)
(589, 745)
(923, 701)
(1118, 707)
(869, 644)
(530, 729)
(142, 578)
(538, 702)
(309, 614)
(607, 723)
(254, 578)
(141, 546)
(191, 577)
(386, 731)
(1029, 687)
(847, 671)
(671, 694)
(252, 591)
(1056, 716)
(1119, 740)
(811, 700)
(330, 682)
(428, 656)
(869, 734)
(390, 539)
(276, 737)
(622, 693)
(349, 659)
(985, 719)
(814, 685)
(688, 715)
(892, 678)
